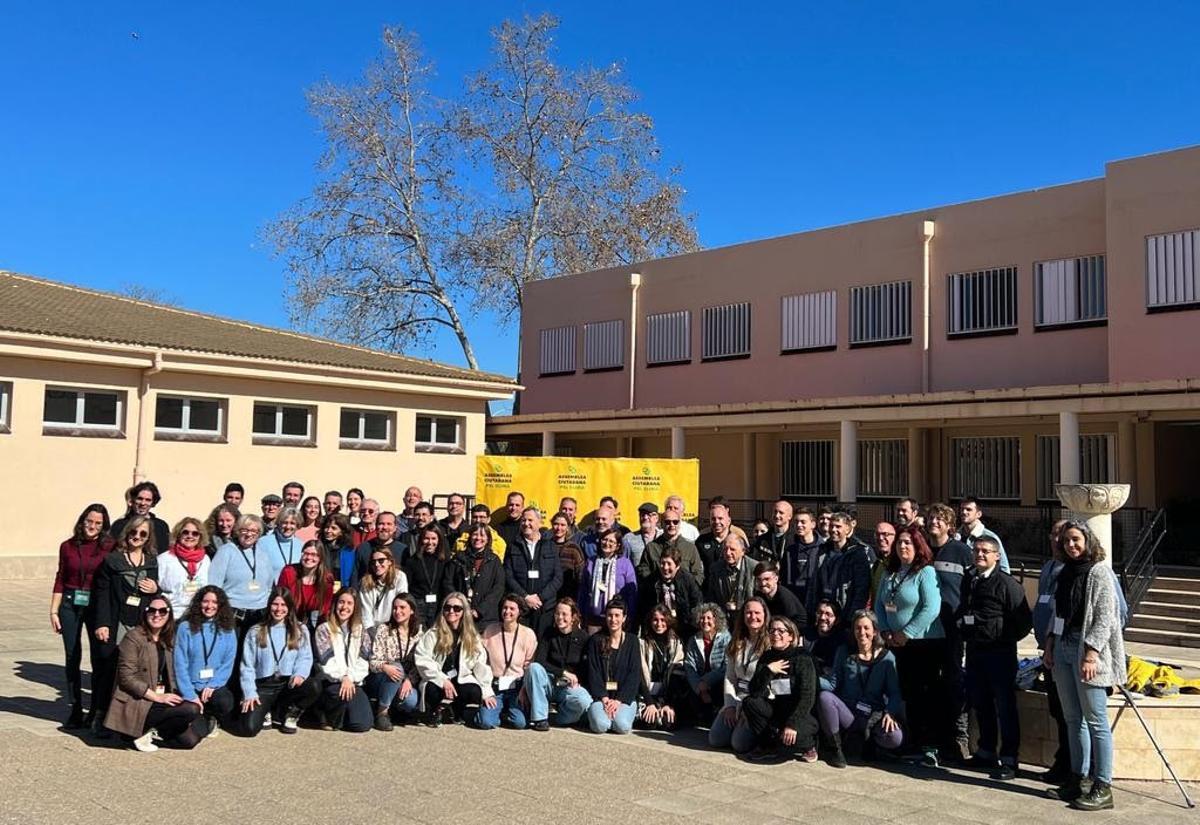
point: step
(1183, 611)
(1189, 572)
(1160, 594)
(1162, 637)
(1154, 621)
(1176, 583)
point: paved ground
(456, 775)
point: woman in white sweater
(343, 654)
(749, 642)
(456, 679)
(383, 582)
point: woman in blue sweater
(614, 673)
(243, 570)
(277, 660)
(907, 607)
(205, 649)
(863, 698)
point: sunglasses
(140, 534)
(670, 521)
(452, 608)
(189, 532)
(379, 561)
(157, 611)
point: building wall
(69, 472)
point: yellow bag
(1139, 674)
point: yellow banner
(545, 481)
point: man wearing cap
(270, 511)
(634, 544)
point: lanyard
(660, 658)
(429, 576)
(895, 584)
(163, 674)
(253, 565)
(208, 649)
(288, 558)
(380, 592)
(508, 657)
(405, 648)
(862, 683)
(279, 655)
(346, 645)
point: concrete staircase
(1170, 611)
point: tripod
(1131, 703)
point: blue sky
(156, 160)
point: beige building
(988, 348)
(97, 391)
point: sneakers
(145, 742)
(291, 721)
(809, 755)
(266, 720)
(1098, 798)
(1004, 772)
(214, 728)
(981, 762)
(541, 725)
(383, 722)
(763, 754)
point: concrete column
(1068, 447)
(1095, 504)
(1126, 452)
(548, 442)
(678, 443)
(620, 447)
(916, 463)
(848, 475)
(749, 465)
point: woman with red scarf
(311, 585)
(184, 569)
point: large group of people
(796, 639)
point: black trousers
(180, 725)
(930, 714)
(74, 620)
(768, 717)
(220, 706)
(1062, 756)
(276, 696)
(957, 696)
(104, 673)
(353, 715)
(467, 699)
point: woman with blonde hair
(749, 643)
(377, 590)
(219, 527)
(183, 570)
(343, 651)
(456, 679)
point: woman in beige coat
(146, 704)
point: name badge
(610, 685)
(190, 586)
(743, 686)
(968, 620)
(81, 598)
(781, 687)
(207, 672)
(890, 607)
(731, 605)
(431, 598)
(253, 586)
(160, 689)
(1058, 626)
(863, 707)
(505, 682)
(602, 587)
(534, 575)
(450, 674)
(133, 601)
(1044, 598)
(655, 688)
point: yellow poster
(545, 480)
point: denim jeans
(572, 702)
(739, 737)
(1085, 709)
(599, 722)
(384, 691)
(507, 710)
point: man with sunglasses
(671, 536)
(634, 544)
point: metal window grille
(1070, 290)
(1097, 462)
(806, 468)
(604, 345)
(883, 467)
(557, 351)
(881, 313)
(1171, 268)
(809, 321)
(669, 337)
(987, 467)
(983, 301)
(726, 331)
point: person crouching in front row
(456, 680)
(782, 692)
(614, 673)
(277, 659)
(342, 648)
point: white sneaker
(214, 728)
(145, 742)
(267, 721)
(291, 722)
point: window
(986, 467)
(366, 429)
(809, 322)
(604, 345)
(983, 302)
(807, 468)
(1069, 291)
(883, 467)
(285, 425)
(83, 412)
(1171, 267)
(726, 332)
(881, 314)
(189, 419)
(6, 389)
(669, 338)
(1097, 462)
(557, 354)
(440, 434)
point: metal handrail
(1141, 566)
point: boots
(1070, 790)
(1098, 798)
(75, 720)
(831, 744)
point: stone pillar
(1068, 447)
(1095, 504)
(678, 443)
(848, 475)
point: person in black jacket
(800, 557)
(554, 674)
(532, 571)
(993, 616)
(477, 572)
(509, 527)
(773, 544)
(426, 572)
(951, 561)
(614, 673)
(780, 601)
(676, 590)
(782, 693)
(842, 571)
(141, 499)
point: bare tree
(149, 294)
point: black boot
(75, 720)
(1098, 798)
(831, 745)
(1069, 791)
(1058, 774)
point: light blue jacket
(259, 662)
(280, 551)
(189, 657)
(917, 601)
(694, 667)
(233, 569)
(877, 684)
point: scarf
(191, 558)
(604, 581)
(666, 591)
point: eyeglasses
(780, 631)
(189, 532)
(248, 531)
(140, 534)
(157, 611)
(452, 608)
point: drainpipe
(142, 429)
(927, 230)
(635, 283)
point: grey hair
(709, 607)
